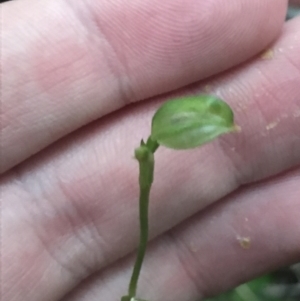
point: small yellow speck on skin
(245, 242)
(207, 88)
(267, 55)
(271, 125)
(296, 114)
(241, 106)
(193, 248)
(237, 128)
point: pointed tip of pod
(237, 128)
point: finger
(79, 197)
(245, 235)
(75, 61)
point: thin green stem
(145, 157)
(144, 230)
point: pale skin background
(77, 78)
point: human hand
(74, 72)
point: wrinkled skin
(81, 81)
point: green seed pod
(189, 122)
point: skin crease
(69, 212)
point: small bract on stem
(181, 123)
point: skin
(80, 87)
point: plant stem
(144, 154)
(144, 230)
